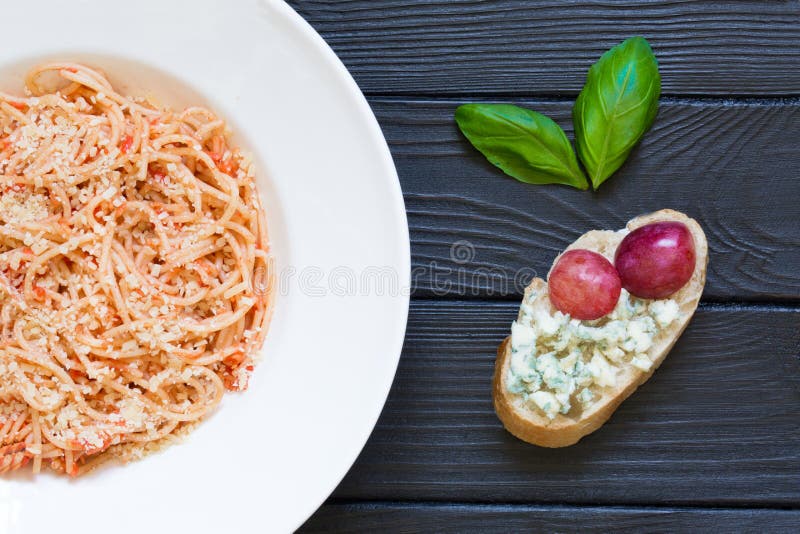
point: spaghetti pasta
(134, 270)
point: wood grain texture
(393, 517)
(546, 47)
(477, 232)
(718, 424)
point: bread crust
(531, 426)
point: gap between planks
(705, 304)
(533, 506)
(502, 518)
(689, 99)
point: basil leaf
(524, 144)
(616, 107)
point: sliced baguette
(528, 423)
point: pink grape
(584, 285)
(656, 260)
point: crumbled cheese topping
(558, 362)
(19, 207)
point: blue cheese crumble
(558, 362)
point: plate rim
(388, 162)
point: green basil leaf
(616, 107)
(524, 144)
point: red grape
(584, 284)
(656, 260)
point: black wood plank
(392, 517)
(718, 424)
(477, 233)
(546, 47)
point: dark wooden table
(713, 440)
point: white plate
(270, 456)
